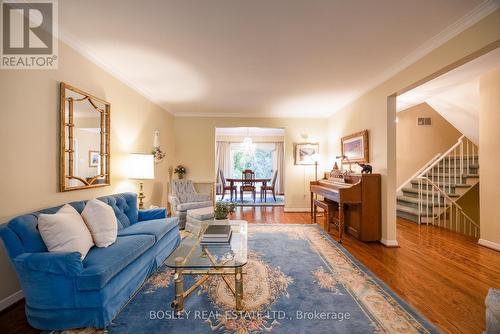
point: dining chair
(227, 187)
(248, 183)
(272, 187)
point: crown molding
(467, 21)
(71, 42)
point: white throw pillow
(101, 221)
(65, 231)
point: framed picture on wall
(304, 153)
(355, 147)
(94, 159)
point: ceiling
(455, 95)
(280, 58)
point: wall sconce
(158, 154)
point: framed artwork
(355, 147)
(304, 153)
(94, 158)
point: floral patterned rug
(248, 200)
(297, 280)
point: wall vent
(424, 121)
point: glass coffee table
(193, 258)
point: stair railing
(437, 208)
(438, 180)
(464, 149)
(417, 174)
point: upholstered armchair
(184, 197)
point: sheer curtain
(279, 166)
(223, 159)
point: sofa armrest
(59, 263)
(151, 214)
(174, 201)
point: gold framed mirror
(84, 140)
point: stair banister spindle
(419, 185)
(451, 217)
(449, 173)
(432, 195)
(468, 169)
(426, 196)
(473, 154)
(445, 214)
(427, 204)
(455, 165)
(439, 211)
(443, 164)
(462, 158)
(418, 200)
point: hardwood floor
(443, 275)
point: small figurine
(335, 166)
(365, 168)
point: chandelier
(248, 146)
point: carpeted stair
(408, 201)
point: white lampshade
(315, 157)
(141, 166)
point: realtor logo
(29, 34)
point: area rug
(248, 200)
(298, 280)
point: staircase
(430, 196)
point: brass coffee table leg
(178, 303)
(238, 279)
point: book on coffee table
(217, 234)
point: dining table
(264, 182)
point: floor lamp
(315, 157)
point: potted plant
(180, 171)
(223, 209)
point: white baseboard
(489, 244)
(297, 209)
(389, 243)
(15, 297)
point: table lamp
(141, 167)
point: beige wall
(256, 139)
(29, 135)
(416, 145)
(470, 203)
(195, 148)
(489, 159)
(376, 110)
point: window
(261, 162)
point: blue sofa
(64, 292)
